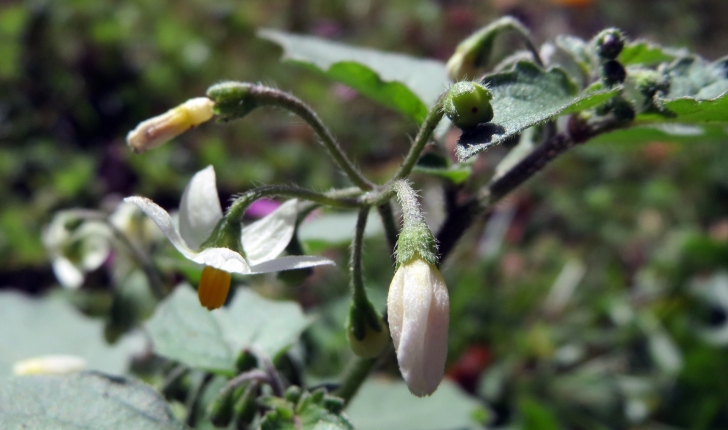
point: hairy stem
(423, 136)
(355, 264)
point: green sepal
(233, 100)
(227, 234)
(416, 241)
(367, 333)
(245, 408)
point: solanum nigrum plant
(225, 351)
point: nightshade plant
(539, 103)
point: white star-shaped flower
(262, 241)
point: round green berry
(468, 104)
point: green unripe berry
(467, 104)
(610, 43)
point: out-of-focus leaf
(334, 229)
(522, 98)
(692, 110)
(82, 401)
(676, 133)
(579, 51)
(406, 84)
(537, 416)
(183, 330)
(41, 327)
(695, 77)
(390, 405)
(647, 53)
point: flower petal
(422, 345)
(164, 222)
(199, 210)
(266, 238)
(68, 275)
(223, 259)
(290, 263)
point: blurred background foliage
(592, 299)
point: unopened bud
(613, 73)
(160, 129)
(610, 43)
(467, 104)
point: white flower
(49, 365)
(199, 214)
(76, 246)
(418, 307)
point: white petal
(291, 262)
(95, 248)
(395, 306)
(199, 210)
(164, 222)
(67, 274)
(422, 345)
(266, 238)
(223, 259)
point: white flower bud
(160, 129)
(418, 307)
(50, 365)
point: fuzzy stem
(271, 96)
(241, 203)
(423, 136)
(411, 213)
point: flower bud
(233, 100)
(50, 365)
(418, 306)
(613, 73)
(368, 335)
(650, 82)
(610, 43)
(467, 104)
(160, 129)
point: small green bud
(613, 73)
(246, 361)
(245, 408)
(610, 43)
(318, 396)
(619, 107)
(333, 404)
(467, 104)
(233, 100)
(650, 82)
(293, 394)
(220, 410)
(368, 335)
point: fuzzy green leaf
(82, 401)
(183, 330)
(42, 327)
(406, 84)
(522, 98)
(647, 53)
(675, 133)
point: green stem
(423, 136)
(355, 264)
(356, 373)
(411, 213)
(240, 205)
(390, 225)
(271, 96)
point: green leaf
(334, 229)
(390, 405)
(695, 77)
(676, 133)
(185, 331)
(49, 326)
(406, 84)
(537, 416)
(522, 98)
(82, 401)
(646, 53)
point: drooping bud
(467, 104)
(368, 335)
(160, 129)
(418, 304)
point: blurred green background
(597, 302)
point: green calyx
(233, 100)
(416, 241)
(226, 234)
(368, 335)
(650, 82)
(467, 104)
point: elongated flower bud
(419, 307)
(418, 304)
(160, 129)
